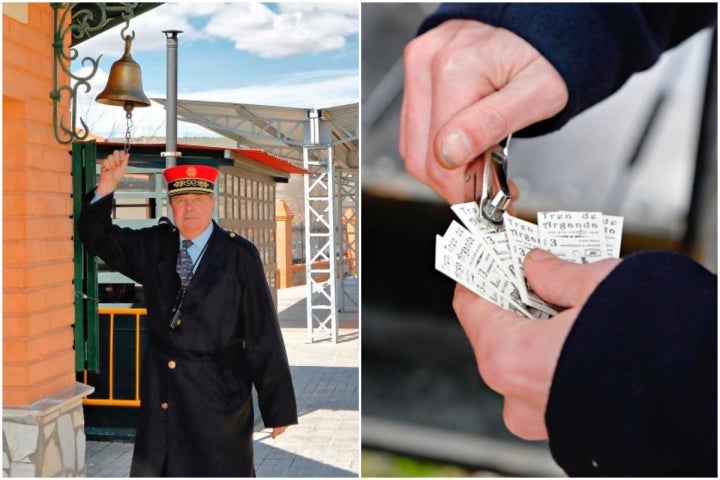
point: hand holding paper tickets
(489, 262)
(524, 270)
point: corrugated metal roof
(270, 160)
(267, 160)
(282, 131)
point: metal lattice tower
(320, 258)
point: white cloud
(297, 29)
(350, 9)
(253, 27)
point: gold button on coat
(171, 364)
(164, 405)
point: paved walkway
(325, 443)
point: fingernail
(455, 149)
(538, 255)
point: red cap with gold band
(190, 179)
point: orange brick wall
(283, 244)
(38, 312)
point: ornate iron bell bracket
(86, 20)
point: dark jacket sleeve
(635, 389)
(594, 47)
(115, 245)
(269, 366)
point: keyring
(493, 206)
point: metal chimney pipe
(171, 152)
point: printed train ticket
(489, 259)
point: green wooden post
(78, 258)
(91, 271)
(87, 349)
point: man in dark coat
(196, 417)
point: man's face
(192, 213)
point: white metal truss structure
(325, 142)
(320, 245)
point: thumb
(538, 95)
(562, 283)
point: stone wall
(46, 439)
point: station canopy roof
(149, 155)
(282, 131)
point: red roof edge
(270, 160)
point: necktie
(184, 262)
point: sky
(280, 54)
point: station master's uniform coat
(196, 414)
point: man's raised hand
(112, 171)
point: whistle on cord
(175, 318)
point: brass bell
(124, 86)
